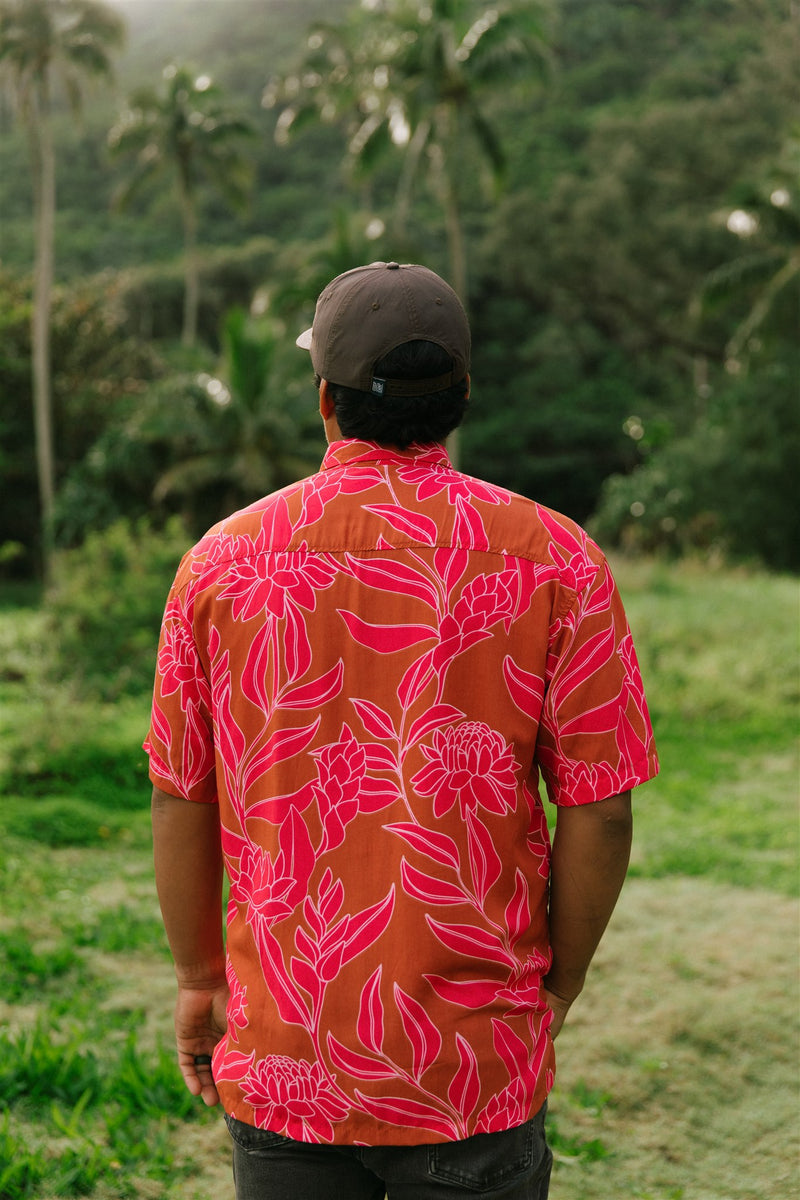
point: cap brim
(304, 341)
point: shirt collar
(352, 450)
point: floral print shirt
(370, 672)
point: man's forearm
(591, 849)
(188, 868)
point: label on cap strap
(412, 387)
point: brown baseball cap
(364, 313)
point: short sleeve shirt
(371, 672)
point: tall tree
(184, 130)
(48, 49)
(413, 76)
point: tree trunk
(43, 156)
(191, 295)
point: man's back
(368, 671)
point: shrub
(104, 611)
(725, 486)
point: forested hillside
(613, 185)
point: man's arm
(188, 868)
(591, 849)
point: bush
(104, 612)
(726, 486)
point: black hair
(401, 420)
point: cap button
(393, 266)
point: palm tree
(184, 129)
(410, 75)
(48, 48)
(239, 434)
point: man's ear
(469, 384)
(326, 407)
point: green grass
(685, 1036)
(719, 653)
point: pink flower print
(505, 1110)
(293, 1097)
(469, 763)
(177, 657)
(341, 769)
(237, 1004)
(258, 885)
(485, 601)
(321, 489)
(523, 990)
(267, 583)
(431, 480)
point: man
(361, 680)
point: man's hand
(199, 1026)
(559, 1008)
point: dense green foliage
(634, 342)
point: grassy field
(678, 1069)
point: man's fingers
(196, 1071)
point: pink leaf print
(296, 858)
(281, 745)
(318, 692)
(411, 524)
(469, 529)
(416, 679)
(434, 718)
(276, 808)
(331, 897)
(380, 758)
(425, 1039)
(197, 752)
(357, 1064)
(510, 1048)
(370, 1014)
(631, 747)
(397, 1110)
(257, 668)
(466, 993)
(385, 639)
(524, 688)
(518, 912)
(484, 859)
(390, 575)
(282, 987)
(466, 1086)
(376, 722)
(600, 719)
(589, 658)
(429, 890)
(472, 941)
(451, 565)
(296, 647)
(365, 928)
(231, 1064)
(276, 527)
(437, 846)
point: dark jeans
(514, 1165)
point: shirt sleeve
(180, 743)
(595, 738)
